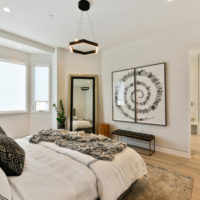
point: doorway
(195, 100)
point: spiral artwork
(139, 95)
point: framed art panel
(151, 94)
(123, 95)
(139, 95)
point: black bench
(139, 136)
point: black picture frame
(135, 79)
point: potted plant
(61, 118)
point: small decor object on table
(104, 129)
(139, 95)
(61, 118)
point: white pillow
(5, 191)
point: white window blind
(41, 88)
(12, 87)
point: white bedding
(52, 172)
(81, 124)
(113, 177)
(51, 176)
(5, 191)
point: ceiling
(55, 22)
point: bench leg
(149, 148)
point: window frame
(33, 110)
(12, 112)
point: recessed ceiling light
(170, 0)
(6, 9)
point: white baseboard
(173, 152)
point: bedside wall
(171, 47)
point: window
(12, 87)
(41, 88)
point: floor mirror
(83, 103)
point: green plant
(60, 113)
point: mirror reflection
(82, 104)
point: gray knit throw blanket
(97, 146)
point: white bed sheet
(116, 177)
(5, 191)
(113, 177)
(52, 172)
(51, 176)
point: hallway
(195, 146)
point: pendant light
(83, 46)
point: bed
(82, 125)
(52, 172)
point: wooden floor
(185, 166)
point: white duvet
(53, 172)
(113, 177)
(51, 176)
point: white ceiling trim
(25, 41)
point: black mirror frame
(71, 82)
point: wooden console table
(139, 136)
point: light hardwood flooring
(190, 167)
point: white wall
(89, 103)
(54, 91)
(69, 63)
(89, 64)
(19, 125)
(80, 105)
(171, 47)
(194, 85)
